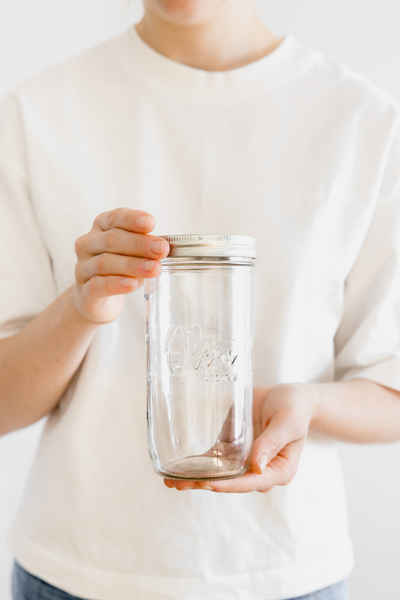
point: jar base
(201, 468)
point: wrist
(308, 397)
(317, 400)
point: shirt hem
(98, 584)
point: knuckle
(287, 477)
(288, 473)
(101, 263)
(113, 216)
(109, 239)
(126, 217)
(98, 219)
(92, 285)
(79, 245)
(274, 447)
(131, 265)
(78, 271)
(109, 284)
(142, 249)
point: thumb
(270, 442)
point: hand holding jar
(113, 259)
(281, 418)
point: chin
(181, 12)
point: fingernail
(207, 487)
(185, 488)
(143, 222)
(157, 247)
(262, 462)
(128, 282)
(147, 265)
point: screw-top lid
(215, 246)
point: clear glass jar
(199, 351)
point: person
(201, 118)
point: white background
(363, 34)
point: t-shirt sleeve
(367, 342)
(26, 278)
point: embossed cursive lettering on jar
(199, 356)
(192, 352)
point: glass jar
(199, 352)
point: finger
(282, 468)
(169, 483)
(280, 471)
(120, 241)
(278, 433)
(246, 483)
(137, 221)
(249, 482)
(115, 264)
(180, 484)
(104, 287)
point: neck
(232, 38)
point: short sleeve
(367, 342)
(26, 279)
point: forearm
(358, 411)
(37, 364)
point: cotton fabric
(26, 586)
(293, 149)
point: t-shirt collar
(171, 78)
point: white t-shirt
(293, 149)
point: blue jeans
(28, 587)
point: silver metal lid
(215, 246)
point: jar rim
(210, 245)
